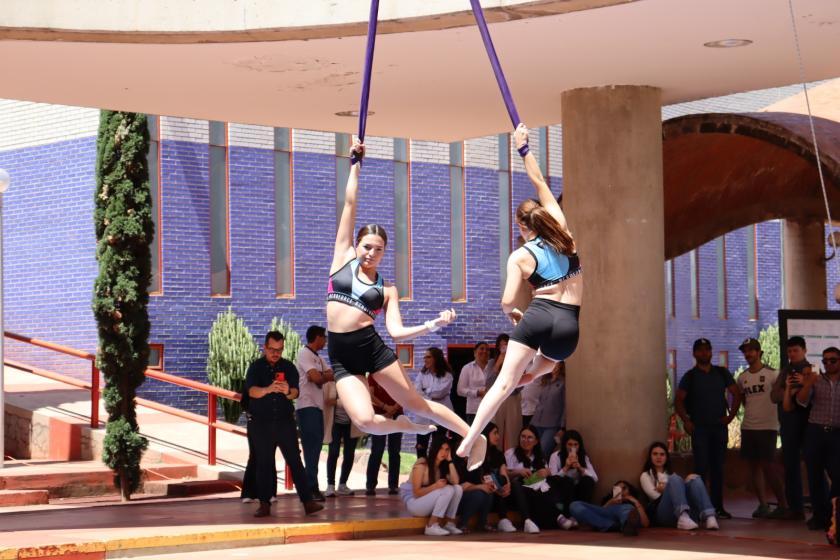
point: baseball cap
(701, 342)
(750, 343)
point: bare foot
(477, 453)
(409, 427)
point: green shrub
(293, 344)
(230, 352)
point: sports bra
(346, 287)
(552, 266)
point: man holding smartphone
(792, 424)
(272, 385)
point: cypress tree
(124, 231)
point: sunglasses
(827, 361)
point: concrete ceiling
(431, 77)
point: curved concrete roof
(273, 66)
(726, 171)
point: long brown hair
(535, 217)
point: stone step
(13, 498)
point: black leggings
(550, 327)
(532, 504)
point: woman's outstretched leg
(518, 357)
(355, 397)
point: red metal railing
(213, 393)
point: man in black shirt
(272, 385)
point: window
(752, 270)
(219, 231)
(457, 221)
(156, 356)
(405, 354)
(284, 227)
(694, 287)
(543, 135)
(402, 217)
(723, 359)
(342, 171)
(672, 371)
(153, 163)
(505, 237)
(720, 246)
(670, 296)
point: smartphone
(280, 377)
(616, 491)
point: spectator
(272, 385)
(701, 403)
(313, 372)
(529, 490)
(572, 477)
(550, 417)
(792, 423)
(383, 404)
(434, 383)
(249, 478)
(822, 436)
(509, 415)
(433, 489)
(674, 501)
(486, 488)
(530, 398)
(620, 510)
(472, 383)
(759, 429)
(340, 432)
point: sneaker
(632, 525)
(344, 491)
(453, 530)
(435, 531)
(248, 500)
(530, 527)
(318, 496)
(721, 513)
(564, 522)
(505, 526)
(393, 491)
(686, 523)
(761, 512)
(312, 507)
(711, 523)
(330, 493)
(370, 492)
(273, 499)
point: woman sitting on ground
(433, 489)
(529, 489)
(573, 477)
(620, 510)
(674, 501)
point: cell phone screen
(280, 377)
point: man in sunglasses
(822, 436)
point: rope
(813, 129)
(494, 62)
(363, 104)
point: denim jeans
(601, 518)
(311, 424)
(341, 436)
(475, 502)
(377, 450)
(680, 496)
(709, 443)
(546, 437)
(822, 454)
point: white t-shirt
(310, 394)
(760, 412)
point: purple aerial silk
(363, 105)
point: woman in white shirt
(434, 383)
(572, 478)
(472, 383)
(675, 501)
(529, 489)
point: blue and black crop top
(552, 266)
(346, 287)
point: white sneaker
(330, 491)
(565, 523)
(531, 527)
(273, 499)
(343, 490)
(505, 526)
(248, 500)
(435, 531)
(711, 523)
(453, 530)
(686, 523)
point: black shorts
(550, 327)
(758, 445)
(358, 352)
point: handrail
(213, 393)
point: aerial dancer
(547, 331)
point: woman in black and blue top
(356, 295)
(548, 329)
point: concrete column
(613, 197)
(804, 265)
